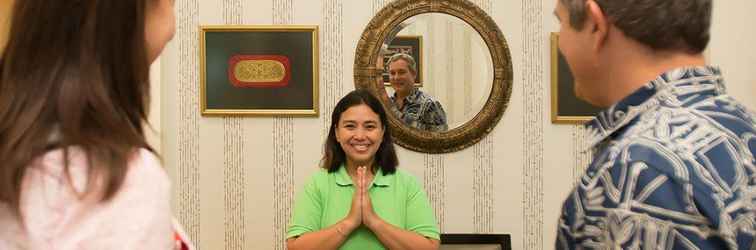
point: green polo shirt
(397, 198)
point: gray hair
(660, 24)
(407, 58)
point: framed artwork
(566, 108)
(410, 45)
(264, 70)
(476, 241)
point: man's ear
(597, 23)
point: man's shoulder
(728, 112)
(670, 139)
(423, 97)
(718, 114)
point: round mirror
(451, 77)
(441, 68)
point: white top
(58, 217)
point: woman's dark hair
(77, 71)
(334, 156)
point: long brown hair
(77, 70)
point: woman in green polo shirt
(359, 200)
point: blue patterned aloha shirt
(421, 111)
(673, 169)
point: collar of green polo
(343, 178)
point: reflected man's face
(400, 76)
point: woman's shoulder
(317, 174)
(321, 175)
(319, 180)
(59, 208)
(404, 174)
(146, 164)
(143, 166)
(405, 178)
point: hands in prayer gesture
(362, 208)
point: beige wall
(732, 48)
(152, 130)
(234, 178)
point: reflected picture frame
(259, 70)
(566, 107)
(408, 44)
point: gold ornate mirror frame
(366, 73)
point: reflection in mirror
(454, 71)
(455, 68)
(410, 104)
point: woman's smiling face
(360, 134)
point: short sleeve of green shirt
(420, 217)
(397, 198)
(308, 208)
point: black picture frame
(259, 70)
(503, 240)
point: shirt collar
(380, 179)
(343, 178)
(671, 88)
(411, 98)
